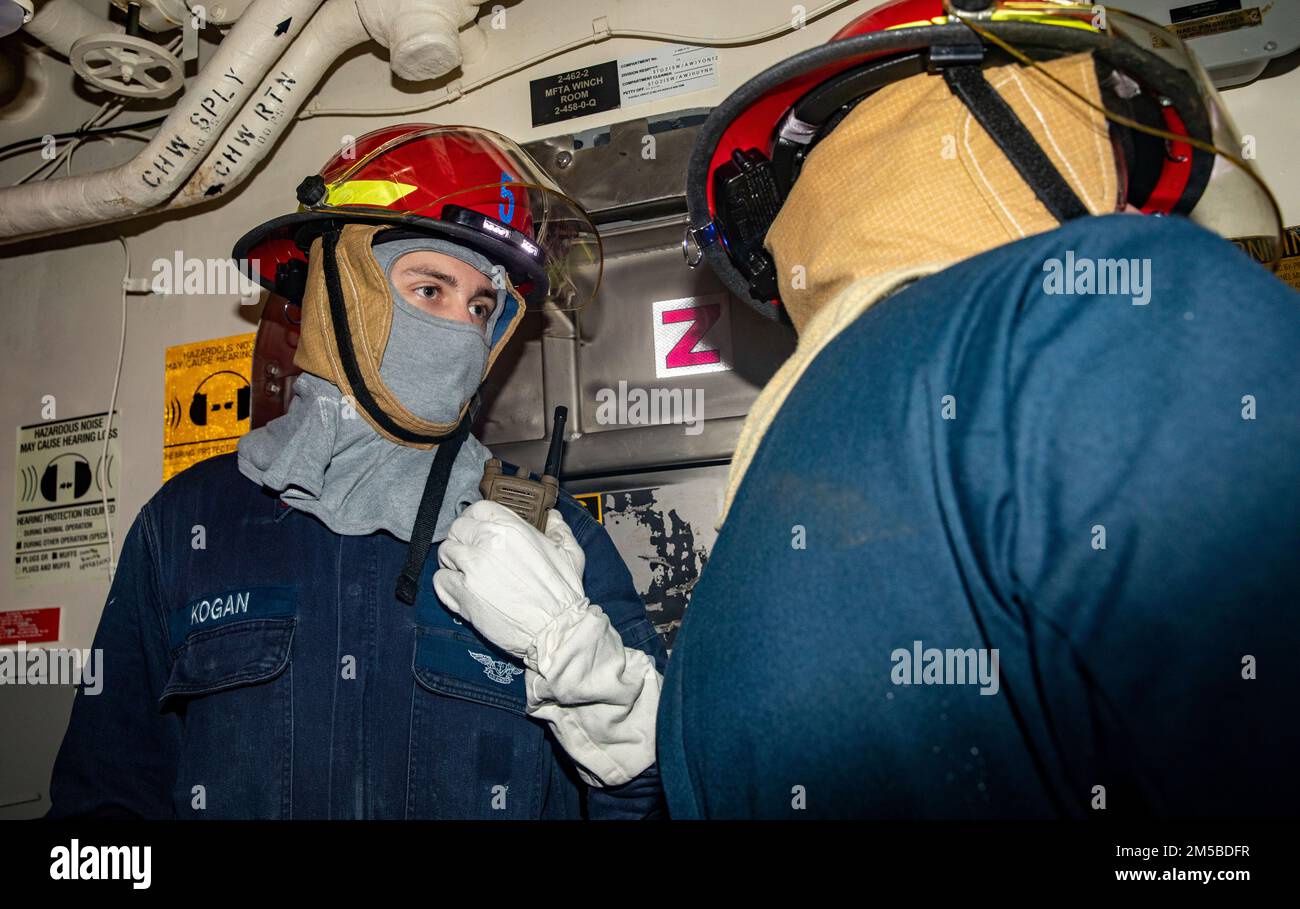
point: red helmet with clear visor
(467, 185)
(750, 151)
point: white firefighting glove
(522, 590)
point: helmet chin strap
(426, 519)
(968, 84)
(435, 486)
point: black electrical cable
(83, 133)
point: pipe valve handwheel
(127, 65)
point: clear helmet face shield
(464, 184)
(488, 188)
(1230, 197)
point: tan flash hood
(910, 177)
(366, 305)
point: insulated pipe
(335, 29)
(422, 36)
(181, 143)
(426, 33)
(59, 23)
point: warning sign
(59, 497)
(1196, 21)
(1261, 248)
(33, 626)
(208, 400)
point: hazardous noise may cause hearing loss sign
(207, 399)
(59, 496)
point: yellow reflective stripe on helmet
(367, 192)
(1042, 17)
(1039, 16)
(937, 20)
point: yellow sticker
(591, 502)
(1213, 25)
(208, 400)
(1259, 248)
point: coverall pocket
(474, 751)
(232, 688)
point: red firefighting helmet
(467, 185)
(749, 152)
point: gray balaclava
(325, 459)
(434, 365)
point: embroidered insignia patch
(497, 670)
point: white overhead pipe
(334, 30)
(176, 150)
(422, 36)
(424, 43)
(58, 23)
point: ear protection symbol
(52, 484)
(199, 403)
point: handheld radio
(530, 499)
